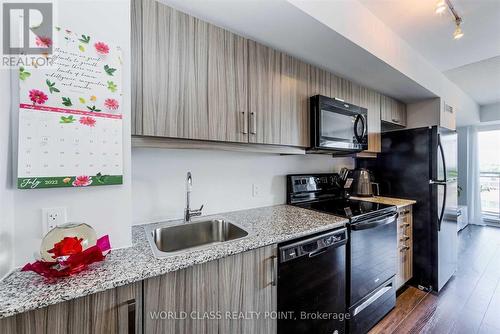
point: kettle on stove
(362, 184)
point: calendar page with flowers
(70, 116)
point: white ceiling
(467, 61)
(431, 34)
(481, 80)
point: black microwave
(337, 126)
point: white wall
(6, 187)
(221, 180)
(107, 209)
(463, 163)
(490, 112)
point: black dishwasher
(312, 284)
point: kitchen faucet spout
(188, 213)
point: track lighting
(441, 7)
(458, 33)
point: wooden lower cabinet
(404, 265)
(248, 288)
(173, 302)
(112, 311)
(236, 294)
(231, 295)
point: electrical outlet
(52, 217)
(255, 190)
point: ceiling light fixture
(458, 33)
(441, 8)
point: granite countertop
(399, 202)
(25, 291)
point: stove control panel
(302, 188)
(313, 246)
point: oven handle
(324, 249)
(375, 223)
(318, 252)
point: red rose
(67, 246)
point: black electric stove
(371, 246)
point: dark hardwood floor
(469, 303)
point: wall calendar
(70, 116)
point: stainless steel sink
(175, 239)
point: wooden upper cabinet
(370, 100)
(320, 82)
(175, 73)
(193, 78)
(294, 102)
(345, 90)
(278, 97)
(227, 86)
(264, 94)
(393, 111)
(386, 106)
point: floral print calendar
(70, 115)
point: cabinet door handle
(404, 248)
(245, 122)
(253, 123)
(404, 238)
(274, 270)
(131, 310)
(404, 225)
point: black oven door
(338, 125)
(373, 252)
(311, 281)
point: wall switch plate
(52, 217)
(255, 190)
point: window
(489, 166)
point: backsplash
(222, 181)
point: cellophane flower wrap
(70, 258)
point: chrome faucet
(188, 213)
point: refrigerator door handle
(441, 215)
(441, 151)
(443, 183)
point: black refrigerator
(421, 164)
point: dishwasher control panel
(313, 246)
